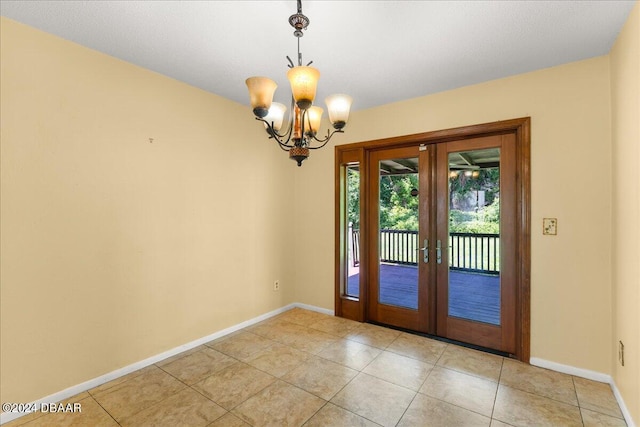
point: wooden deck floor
(471, 295)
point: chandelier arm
(325, 140)
(276, 136)
(286, 135)
(274, 133)
(284, 147)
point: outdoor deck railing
(476, 252)
(399, 246)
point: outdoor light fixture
(304, 118)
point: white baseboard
(623, 407)
(314, 308)
(5, 417)
(571, 370)
(590, 375)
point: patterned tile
(197, 366)
(278, 359)
(332, 415)
(302, 317)
(469, 392)
(400, 370)
(350, 353)
(336, 326)
(234, 384)
(471, 362)
(417, 347)
(280, 404)
(427, 411)
(320, 377)
(520, 408)
(593, 419)
(229, 420)
(186, 408)
(374, 399)
(242, 345)
(544, 382)
(372, 335)
(597, 397)
(138, 393)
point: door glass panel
(352, 287)
(398, 233)
(474, 235)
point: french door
(401, 288)
(441, 239)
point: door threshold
(447, 340)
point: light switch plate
(549, 226)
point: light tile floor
(305, 368)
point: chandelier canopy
(304, 118)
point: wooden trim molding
(344, 306)
(521, 128)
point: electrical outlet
(621, 352)
(550, 226)
(276, 285)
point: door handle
(438, 251)
(425, 251)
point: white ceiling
(377, 51)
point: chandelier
(304, 120)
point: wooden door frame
(356, 308)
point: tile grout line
(495, 397)
(105, 410)
(577, 399)
(326, 402)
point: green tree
(353, 196)
(485, 220)
(398, 207)
(463, 183)
(476, 219)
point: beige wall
(115, 249)
(571, 180)
(625, 103)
